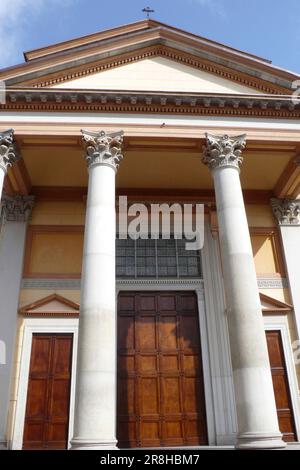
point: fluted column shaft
(95, 407)
(255, 402)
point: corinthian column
(8, 154)
(255, 402)
(287, 213)
(95, 405)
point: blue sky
(268, 28)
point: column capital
(223, 151)
(8, 150)
(103, 148)
(16, 208)
(286, 211)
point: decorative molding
(272, 283)
(53, 305)
(274, 306)
(74, 284)
(159, 51)
(102, 148)
(9, 153)
(50, 284)
(286, 211)
(203, 104)
(16, 208)
(160, 282)
(223, 151)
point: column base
(93, 444)
(249, 440)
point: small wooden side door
(281, 386)
(48, 395)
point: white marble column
(254, 395)
(8, 154)
(287, 213)
(15, 214)
(96, 386)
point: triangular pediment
(51, 306)
(271, 305)
(148, 56)
(158, 74)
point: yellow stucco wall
(260, 215)
(56, 253)
(58, 213)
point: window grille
(156, 259)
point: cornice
(52, 79)
(86, 40)
(265, 106)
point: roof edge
(141, 25)
(38, 53)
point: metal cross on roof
(148, 10)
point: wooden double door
(160, 378)
(48, 396)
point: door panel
(281, 386)
(160, 381)
(48, 395)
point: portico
(171, 346)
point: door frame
(280, 323)
(40, 326)
(197, 287)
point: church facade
(109, 341)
